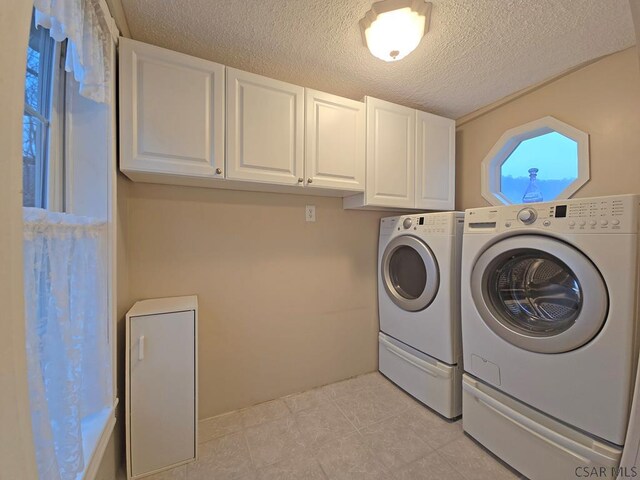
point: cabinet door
(391, 133)
(335, 129)
(265, 122)
(162, 391)
(435, 162)
(171, 112)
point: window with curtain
(66, 255)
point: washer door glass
(539, 294)
(409, 273)
(535, 292)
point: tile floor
(361, 428)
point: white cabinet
(270, 138)
(265, 129)
(188, 121)
(435, 162)
(171, 113)
(391, 131)
(334, 141)
(410, 159)
(161, 384)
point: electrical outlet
(310, 213)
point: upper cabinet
(391, 156)
(171, 113)
(410, 159)
(270, 139)
(265, 129)
(335, 142)
(435, 162)
(188, 121)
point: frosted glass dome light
(392, 29)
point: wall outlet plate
(310, 213)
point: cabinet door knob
(309, 180)
(218, 171)
(300, 180)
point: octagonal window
(540, 161)
(539, 168)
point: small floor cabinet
(161, 384)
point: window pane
(540, 168)
(35, 125)
(32, 146)
(32, 87)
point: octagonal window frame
(512, 138)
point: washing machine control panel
(423, 223)
(615, 214)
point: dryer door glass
(534, 292)
(409, 273)
(539, 293)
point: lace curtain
(89, 31)
(66, 326)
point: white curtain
(66, 326)
(89, 30)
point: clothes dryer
(419, 306)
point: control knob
(527, 216)
(407, 223)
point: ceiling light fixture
(392, 29)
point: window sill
(96, 432)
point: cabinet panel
(171, 112)
(162, 390)
(435, 162)
(390, 154)
(264, 129)
(335, 144)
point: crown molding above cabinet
(189, 121)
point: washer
(549, 328)
(419, 306)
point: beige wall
(287, 305)
(602, 99)
(16, 444)
(284, 305)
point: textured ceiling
(476, 51)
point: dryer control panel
(615, 214)
(425, 223)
